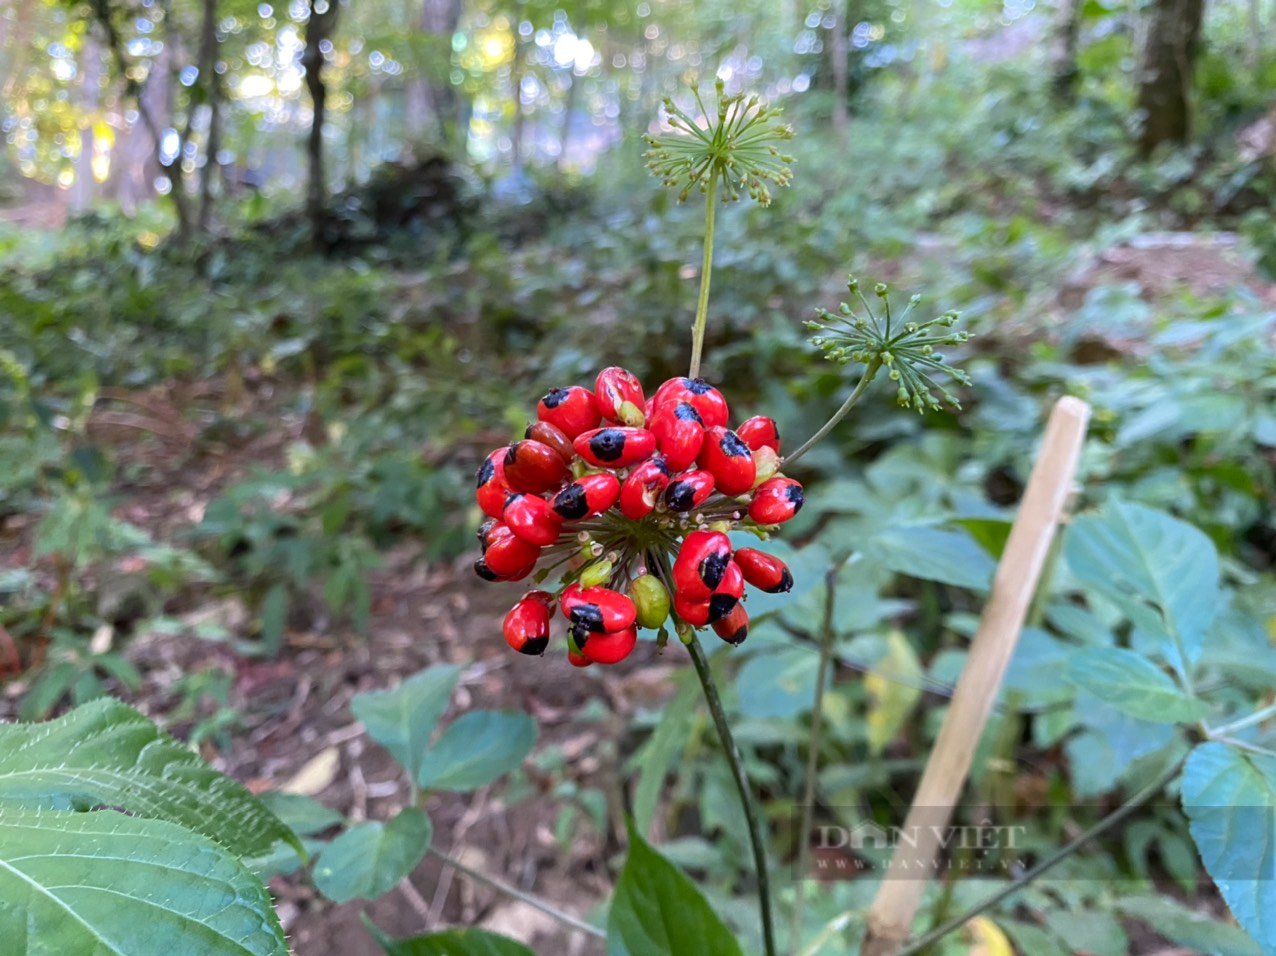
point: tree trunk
(434, 89)
(210, 82)
(840, 51)
(323, 20)
(1065, 38)
(1165, 76)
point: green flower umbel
(738, 150)
(905, 348)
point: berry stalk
(706, 273)
(851, 401)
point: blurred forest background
(277, 275)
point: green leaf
(1198, 931)
(1132, 684)
(274, 617)
(106, 883)
(303, 815)
(107, 754)
(657, 909)
(477, 748)
(777, 684)
(934, 554)
(454, 942)
(1162, 573)
(667, 741)
(370, 858)
(403, 720)
(1230, 800)
(892, 688)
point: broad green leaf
(667, 741)
(476, 749)
(454, 942)
(657, 909)
(934, 554)
(1133, 685)
(1230, 800)
(1033, 939)
(100, 884)
(892, 687)
(778, 684)
(1092, 931)
(1198, 931)
(370, 858)
(303, 815)
(1162, 572)
(403, 720)
(104, 753)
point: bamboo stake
(891, 916)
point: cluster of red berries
(633, 498)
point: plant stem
(1255, 718)
(812, 762)
(723, 726)
(1107, 823)
(535, 902)
(841, 413)
(706, 273)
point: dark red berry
(727, 594)
(760, 432)
(776, 500)
(553, 436)
(764, 571)
(643, 488)
(576, 658)
(729, 460)
(493, 489)
(532, 519)
(588, 495)
(571, 410)
(702, 561)
(734, 627)
(610, 648)
(706, 399)
(505, 554)
(695, 613)
(533, 466)
(679, 433)
(689, 490)
(598, 610)
(613, 388)
(615, 447)
(526, 626)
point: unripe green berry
(651, 599)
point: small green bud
(881, 290)
(651, 599)
(597, 573)
(631, 415)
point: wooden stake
(890, 919)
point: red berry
(679, 432)
(776, 501)
(615, 447)
(588, 495)
(613, 388)
(643, 488)
(576, 658)
(505, 554)
(733, 628)
(727, 594)
(764, 571)
(729, 460)
(533, 466)
(695, 613)
(572, 410)
(760, 431)
(610, 648)
(532, 519)
(553, 436)
(701, 563)
(493, 489)
(526, 626)
(689, 490)
(706, 399)
(598, 610)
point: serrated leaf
(657, 909)
(934, 554)
(402, 720)
(1163, 573)
(106, 883)
(1132, 684)
(1230, 801)
(370, 858)
(476, 749)
(104, 753)
(454, 942)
